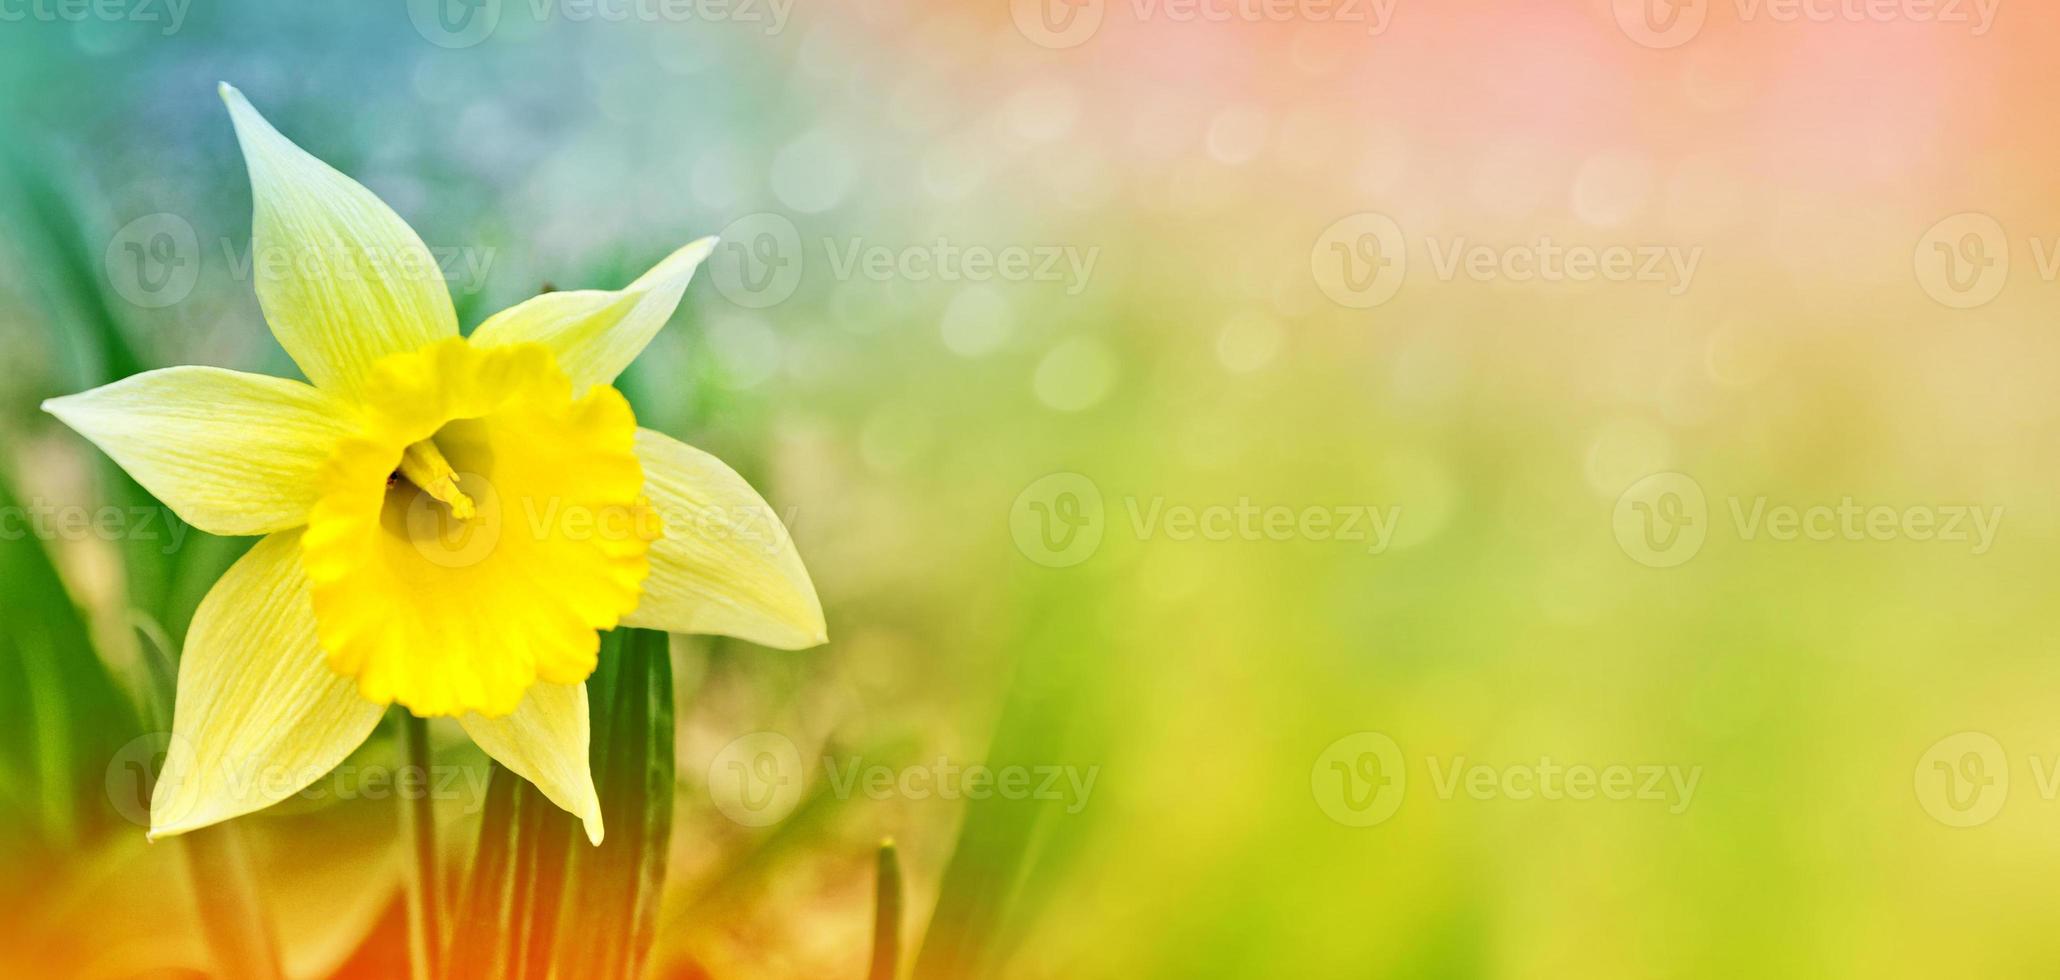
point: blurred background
(1301, 437)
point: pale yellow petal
(596, 333)
(545, 742)
(725, 562)
(259, 714)
(230, 453)
(342, 279)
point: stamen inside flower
(423, 465)
(470, 542)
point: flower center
(479, 529)
(424, 465)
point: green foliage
(93, 347)
(506, 926)
(614, 889)
(539, 900)
(72, 715)
(1009, 851)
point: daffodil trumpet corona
(446, 522)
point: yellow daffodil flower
(447, 521)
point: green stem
(225, 892)
(418, 823)
(887, 916)
(231, 917)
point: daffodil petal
(596, 333)
(342, 279)
(259, 714)
(725, 563)
(545, 741)
(230, 453)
